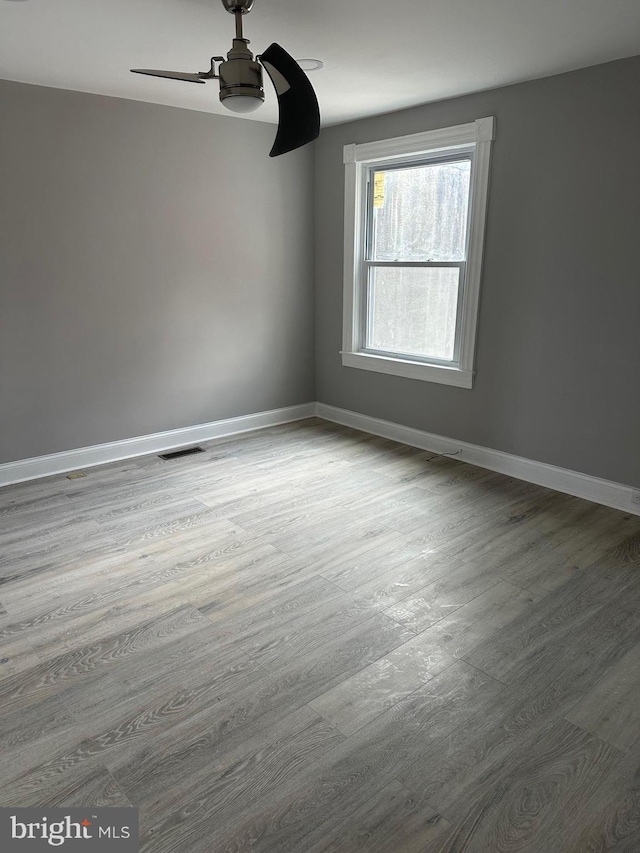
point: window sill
(409, 369)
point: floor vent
(178, 454)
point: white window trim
(357, 159)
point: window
(414, 231)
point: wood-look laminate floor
(309, 639)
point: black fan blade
(299, 111)
(172, 75)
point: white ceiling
(379, 55)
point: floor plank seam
(484, 672)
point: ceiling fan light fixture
(241, 103)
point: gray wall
(558, 358)
(131, 301)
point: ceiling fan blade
(299, 111)
(172, 75)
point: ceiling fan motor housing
(240, 74)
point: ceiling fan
(241, 88)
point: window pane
(412, 310)
(420, 213)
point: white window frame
(474, 138)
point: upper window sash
(367, 250)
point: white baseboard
(560, 479)
(115, 451)
(593, 489)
